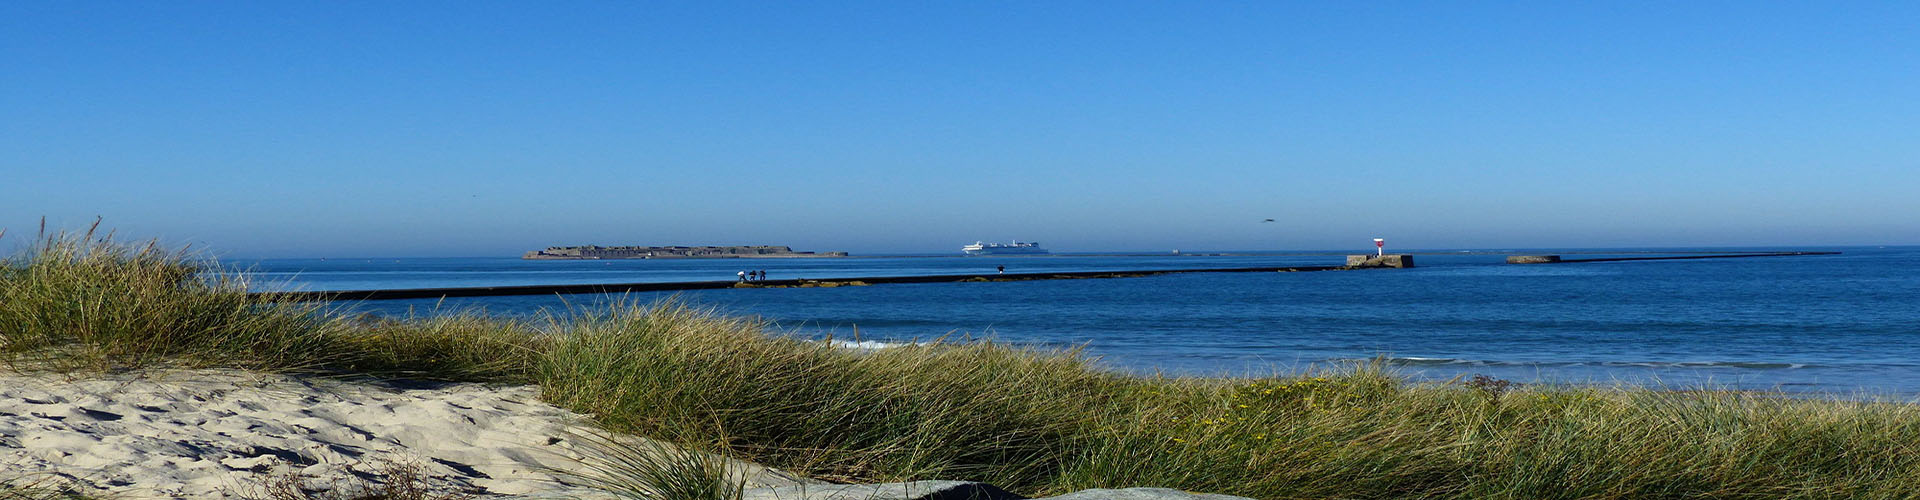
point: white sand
(213, 434)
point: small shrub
(1489, 385)
(384, 480)
(37, 487)
(630, 467)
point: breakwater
(1555, 259)
(498, 291)
(1394, 260)
(592, 252)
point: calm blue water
(1841, 323)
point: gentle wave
(867, 345)
(1750, 365)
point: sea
(1846, 324)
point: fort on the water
(673, 252)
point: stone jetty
(591, 252)
(1555, 259)
(1393, 260)
(495, 291)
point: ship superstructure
(1016, 248)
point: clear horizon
(262, 130)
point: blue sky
(265, 129)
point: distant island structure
(590, 252)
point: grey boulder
(911, 490)
(1141, 494)
(958, 490)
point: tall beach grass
(1035, 422)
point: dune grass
(36, 488)
(1034, 422)
(81, 302)
(380, 480)
(625, 467)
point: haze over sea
(1831, 323)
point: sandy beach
(223, 434)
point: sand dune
(212, 434)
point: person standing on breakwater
(1003, 269)
(763, 276)
(742, 275)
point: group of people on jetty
(761, 274)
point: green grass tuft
(74, 302)
(627, 467)
(976, 410)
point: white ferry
(1017, 248)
